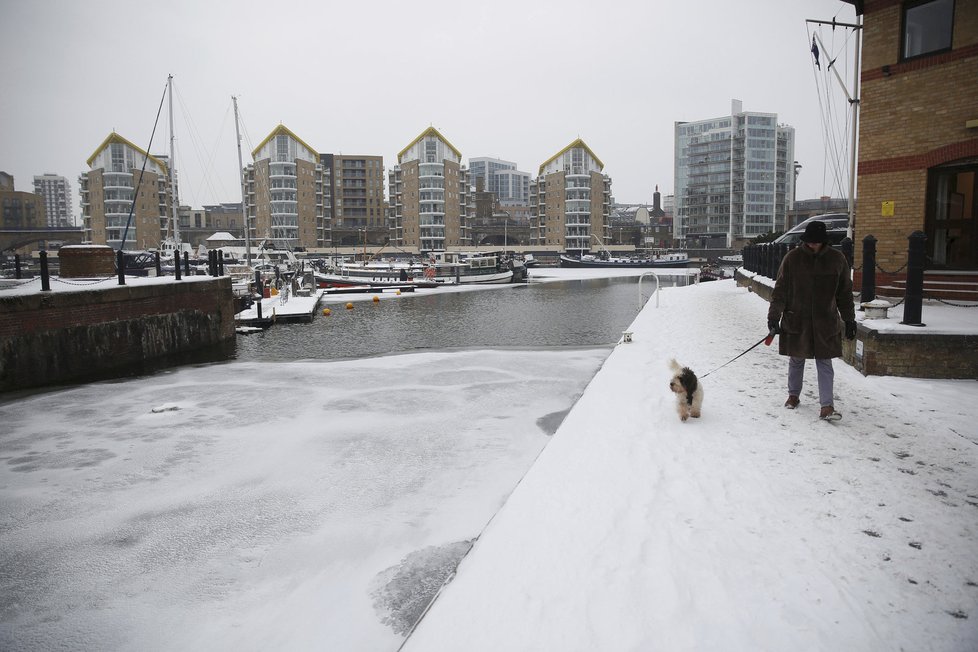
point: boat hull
(568, 261)
(326, 280)
(427, 276)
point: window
(927, 27)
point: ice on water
(258, 503)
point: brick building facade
(918, 131)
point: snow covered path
(752, 528)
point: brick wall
(909, 355)
(49, 338)
(86, 261)
(913, 356)
(912, 117)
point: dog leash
(766, 340)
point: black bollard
(258, 282)
(220, 262)
(45, 277)
(120, 265)
(869, 269)
(258, 304)
(17, 266)
(176, 265)
(914, 296)
(847, 250)
(186, 263)
(211, 264)
(159, 270)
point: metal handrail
(641, 296)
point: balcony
(578, 222)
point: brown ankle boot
(792, 402)
(828, 413)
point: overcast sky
(511, 79)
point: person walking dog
(812, 291)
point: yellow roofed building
(125, 196)
(570, 201)
(429, 194)
(287, 192)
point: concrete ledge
(920, 354)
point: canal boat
(441, 268)
(374, 275)
(731, 259)
(668, 259)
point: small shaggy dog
(689, 392)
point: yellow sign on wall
(887, 210)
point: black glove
(772, 326)
(850, 330)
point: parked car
(835, 223)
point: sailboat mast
(244, 205)
(854, 101)
(855, 134)
(173, 172)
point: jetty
(282, 307)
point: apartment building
(20, 210)
(510, 186)
(287, 193)
(734, 178)
(918, 133)
(430, 196)
(117, 182)
(570, 201)
(357, 197)
(226, 216)
(57, 199)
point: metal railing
(765, 259)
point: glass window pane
(927, 27)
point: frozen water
(252, 505)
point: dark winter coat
(811, 291)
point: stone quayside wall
(48, 338)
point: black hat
(815, 232)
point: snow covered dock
(752, 528)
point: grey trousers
(796, 372)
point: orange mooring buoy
(376, 298)
(349, 306)
(326, 312)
